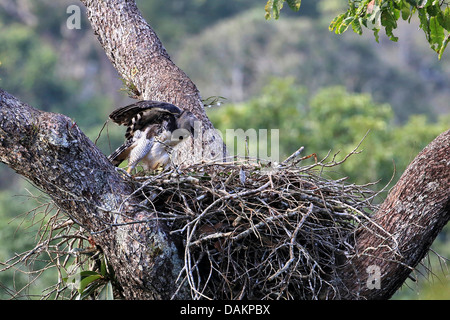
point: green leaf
(389, 22)
(356, 26)
(107, 292)
(444, 19)
(406, 12)
(268, 9)
(103, 267)
(376, 34)
(443, 46)
(372, 18)
(345, 24)
(424, 25)
(273, 7)
(294, 4)
(412, 2)
(87, 273)
(422, 3)
(77, 279)
(87, 281)
(336, 23)
(277, 6)
(437, 34)
(433, 9)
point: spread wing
(138, 117)
(147, 108)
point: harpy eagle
(154, 128)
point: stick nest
(255, 232)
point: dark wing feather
(147, 108)
(121, 153)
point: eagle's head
(185, 125)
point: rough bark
(141, 60)
(50, 150)
(402, 231)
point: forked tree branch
(403, 229)
(51, 151)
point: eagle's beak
(191, 130)
(187, 122)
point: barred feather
(148, 108)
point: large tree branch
(51, 151)
(402, 231)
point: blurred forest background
(321, 90)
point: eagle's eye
(180, 138)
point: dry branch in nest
(256, 232)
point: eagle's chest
(158, 156)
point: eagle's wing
(148, 109)
(121, 153)
(139, 117)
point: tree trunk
(402, 231)
(50, 150)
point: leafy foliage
(434, 18)
(91, 284)
(273, 7)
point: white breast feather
(157, 157)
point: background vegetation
(321, 90)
